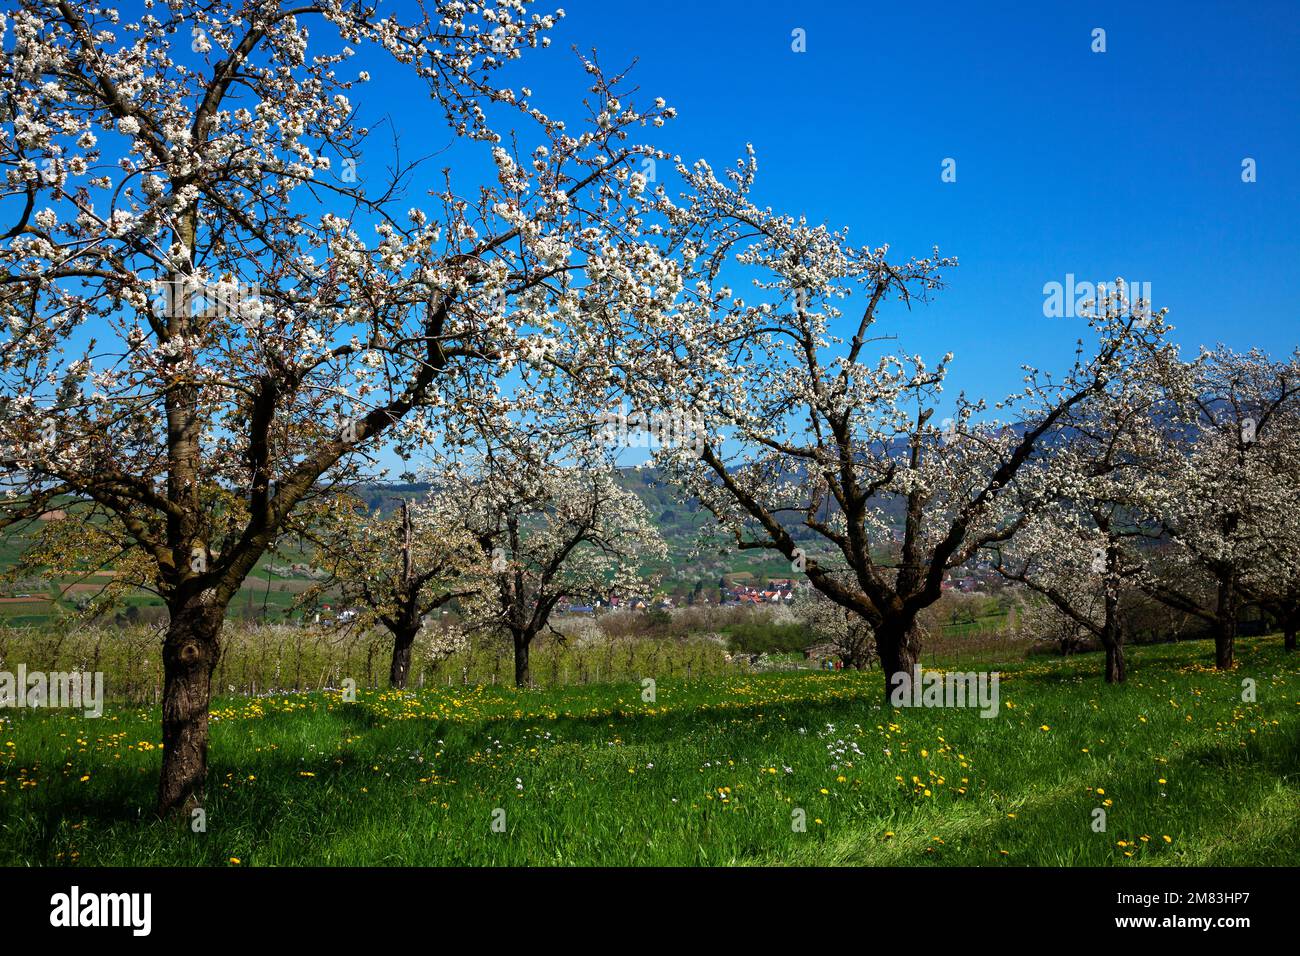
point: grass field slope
(785, 768)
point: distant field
(712, 772)
(269, 596)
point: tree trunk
(899, 647)
(401, 666)
(405, 630)
(191, 650)
(1225, 625)
(1224, 641)
(522, 640)
(1112, 639)
(1288, 637)
(1116, 670)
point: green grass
(709, 773)
(988, 622)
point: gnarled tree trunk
(190, 653)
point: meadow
(718, 770)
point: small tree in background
(1223, 489)
(1274, 581)
(397, 570)
(1086, 546)
(551, 531)
(846, 632)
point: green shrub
(767, 637)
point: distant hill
(699, 558)
(697, 554)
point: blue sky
(1123, 163)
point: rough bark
(190, 653)
(1112, 639)
(1225, 625)
(1116, 669)
(898, 645)
(400, 669)
(522, 641)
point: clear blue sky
(1123, 163)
